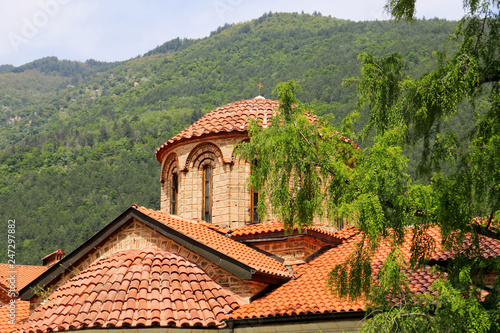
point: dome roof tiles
(167, 291)
(232, 117)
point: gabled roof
(232, 117)
(135, 288)
(238, 259)
(307, 295)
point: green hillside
(77, 140)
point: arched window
(170, 189)
(206, 213)
(254, 199)
(174, 194)
(254, 214)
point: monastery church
(206, 262)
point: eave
(290, 319)
(281, 235)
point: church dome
(232, 117)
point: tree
(304, 168)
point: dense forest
(77, 140)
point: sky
(112, 30)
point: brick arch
(203, 161)
(170, 166)
(171, 163)
(203, 151)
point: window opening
(175, 192)
(254, 218)
(207, 194)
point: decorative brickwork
(231, 198)
(292, 249)
(206, 150)
(214, 137)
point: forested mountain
(77, 140)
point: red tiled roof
(22, 312)
(135, 288)
(240, 252)
(24, 273)
(60, 252)
(490, 247)
(232, 117)
(307, 293)
(4, 291)
(260, 228)
(214, 227)
(270, 227)
(346, 233)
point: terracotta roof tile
(232, 117)
(215, 227)
(490, 247)
(22, 312)
(185, 298)
(270, 227)
(347, 233)
(24, 273)
(307, 294)
(260, 228)
(59, 252)
(258, 261)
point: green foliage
(448, 310)
(383, 198)
(420, 109)
(344, 279)
(65, 68)
(300, 177)
(173, 45)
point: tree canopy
(305, 168)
